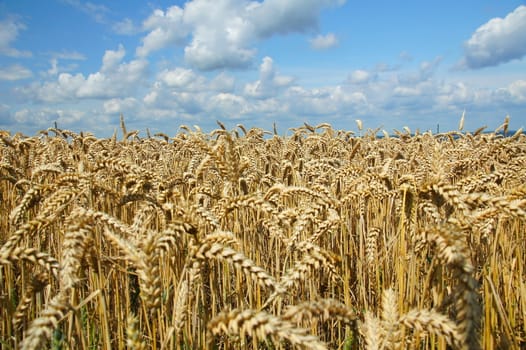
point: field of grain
(244, 239)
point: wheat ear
(221, 252)
(133, 335)
(261, 325)
(327, 309)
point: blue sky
(163, 64)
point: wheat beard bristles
(221, 252)
(327, 309)
(261, 325)
(433, 322)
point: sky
(163, 64)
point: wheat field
(244, 239)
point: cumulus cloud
(393, 95)
(229, 105)
(323, 42)
(185, 92)
(282, 17)
(360, 76)
(9, 30)
(164, 28)
(220, 36)
(517, 90)
(498, 41)
(222, 33)
(187, 80)
(269, 82)
(55, 66)
(15, 72)
(513, 94)
(112, 59)
(454, 94)
(333, 100)
(45, 117)
(182, 79)
(115, 79)
(222, 83)
(119, 105)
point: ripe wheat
(247, 239)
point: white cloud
(55, 66)
(223, 32)
(95, 11)
(117, 82)
(229, 105)
(125, 27)
(112, 59)
(272, 17)
(182, 79)
(323, 42)
(513, 94)
(115, 79)
(425, 71)
(187, 80)
(69, 55)
(500, 40)
(405, 91)
(360, 76)
(34, 119)
(390, 98)
(15, 72)
(456, 93)
(9, 30)
(269, 83)
(151, 97)
(517, 90)
(222, 83)
(185, 92)
(45, 117)
(165, 28)
(23, 116)
(334, 101)
(6, 117)
(212, 54)
(119, 105)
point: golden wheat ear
(261, 326)
(133, 336)
(432, 322)
(326, 309)
(221, 252)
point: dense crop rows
(244, 239)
